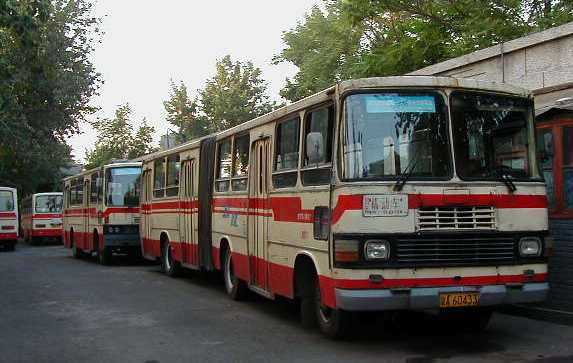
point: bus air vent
(454, 218)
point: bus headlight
(376, 250)
(530, 247)
(346, 251)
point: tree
(183, 113)
(365, 38)
(234, 95)
(46, 82)
(116, 139)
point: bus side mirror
(314, 148)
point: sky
(147, 43)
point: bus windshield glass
(394, 133)
(122, 186)
(49, 203)
(6, 201)
(491, 136)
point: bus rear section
(102, 212)
(8, 218)
(42, 217)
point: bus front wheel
(104, 256)
(236, 288)
(333, 323)
(169, 265)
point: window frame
(226, 180)
(154, 190)
(233, 155)
(557, 125)
(280, 173)
(329, 105)
(173, 187)
(163, 189)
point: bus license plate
(385, 205)
(457, 300)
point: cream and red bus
(379, 194)
(8, 217)
(41, 217)
(101, 211)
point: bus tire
(333, 323)
(235, 287)
(169, 266)
(104, 256)
(76, 252)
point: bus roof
(106, 166)
(347, 86)
(8, 188)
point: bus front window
(122, 186)
(6, 201)
(491, 136)
(49, 204)
(393, 133)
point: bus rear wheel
(104, 256)
(171, 267)
(235, 287)
(76, 252)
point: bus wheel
(76, 252)
(467, 319)
(333, 323)
(171, 267)
(104, 256)
(236, 288)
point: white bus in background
(8, 217)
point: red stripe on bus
(46, 216)
(48, 232)
(5, 215)
(4, 236)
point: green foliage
(117, 140)
(183, 112)
(366, 38)
(234, 95)
(46, 81)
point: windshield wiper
(505, 178)
(403, 178)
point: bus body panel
(47, 222)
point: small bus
(8, 218)
(101, 211)
(41, 217)
(377, 194)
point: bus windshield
(491, 136)
(393, 133)
(49, 203)
(122, 186)
(6, 201)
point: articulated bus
(41, 215)
(101, 211)
(379, 194)
(8, 217)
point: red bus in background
(8, 218)
(101, 211)
(42, 217)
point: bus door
(86, 214)
(258, 219)
(186, 202)
(145, 213)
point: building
(543, 63)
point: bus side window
(173, 172)
(286, 153)
(240, 162)
(94, 188)
(159, 178)
(223, 166)
(318, 122)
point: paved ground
(57, 309)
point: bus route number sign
(385, 205)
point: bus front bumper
(420, 298)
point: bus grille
(455, 250)
(444, 218)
